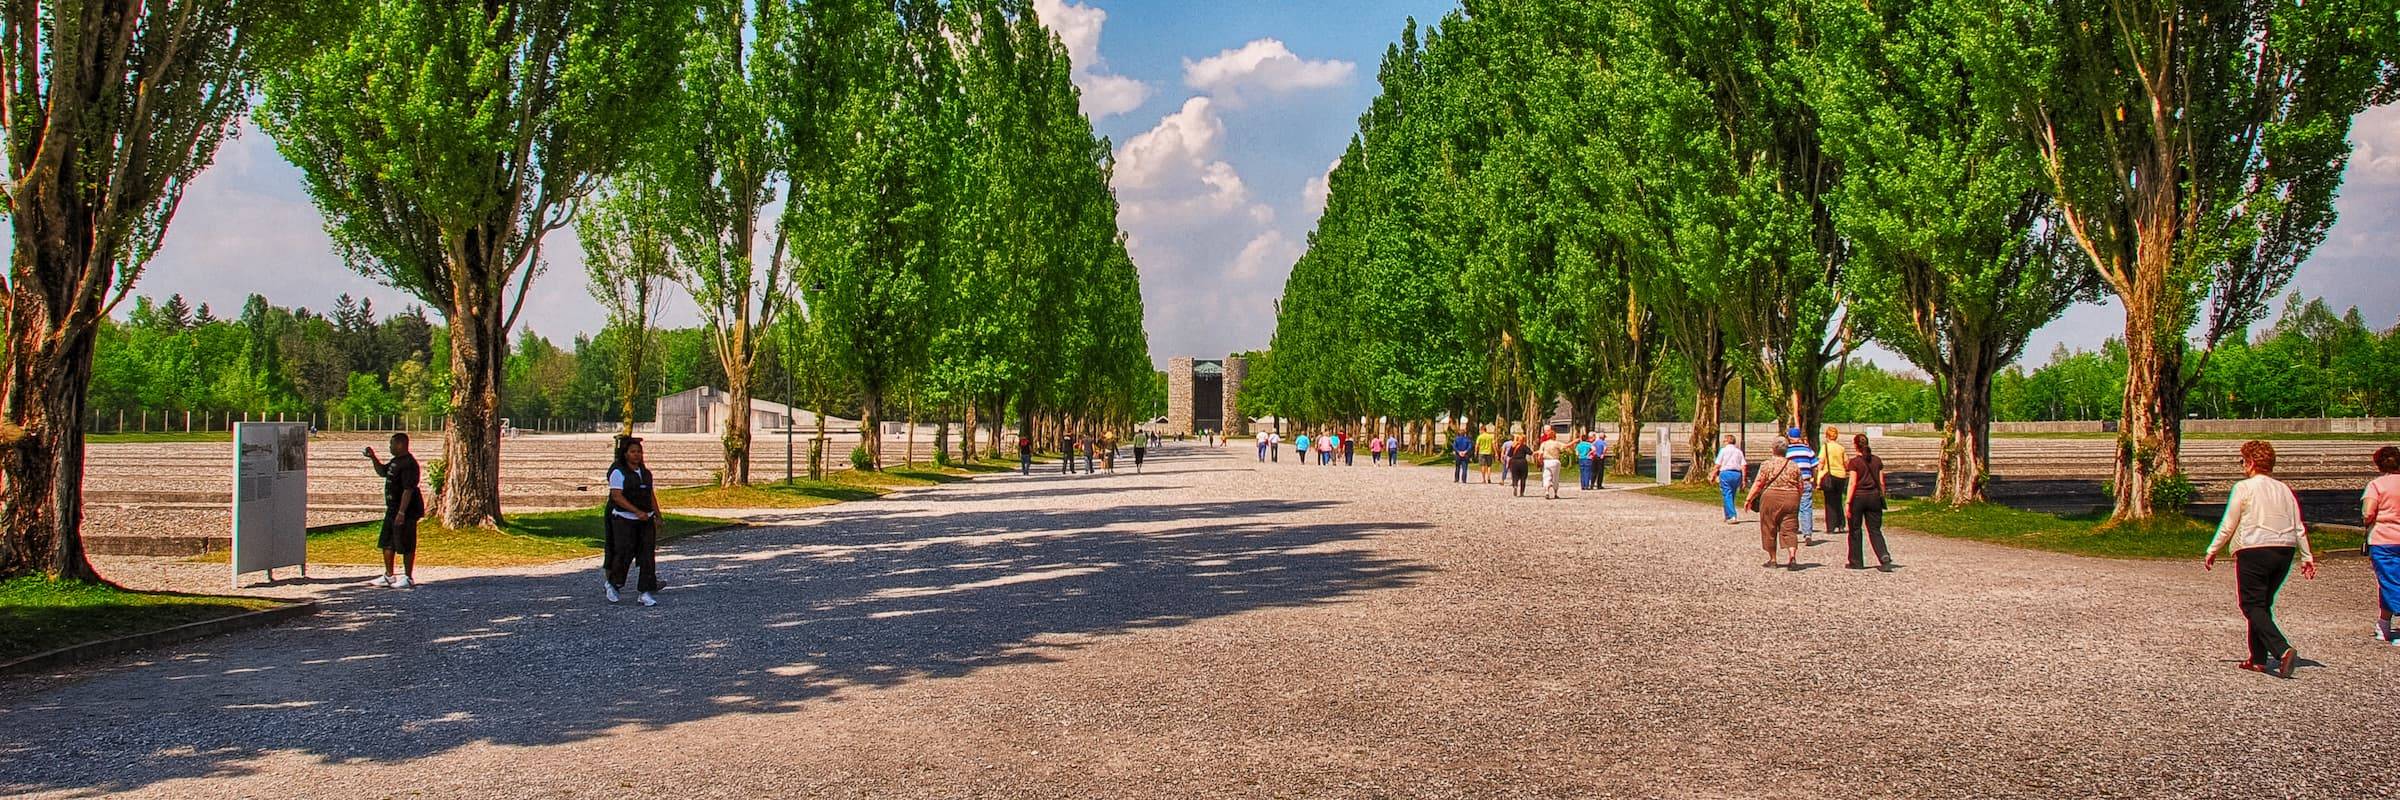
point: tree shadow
(759, 620)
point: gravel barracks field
(1222, 628)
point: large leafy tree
(626, 259)
(111, 108)
(1957, 265)
(443, 141)
(717, 155)
(2193, 148)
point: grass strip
(2076, 534)
(38, 614)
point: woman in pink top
(2382, 511)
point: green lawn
(2079, 534)
(530, 538)
(39, 615)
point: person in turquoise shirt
(1583, 458)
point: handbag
(1762, 491)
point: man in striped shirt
(1805, 457)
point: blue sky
(1225, 116)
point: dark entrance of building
(1208, 395)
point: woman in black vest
(632, 521)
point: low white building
(706, 409)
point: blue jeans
(1729, 483)
(1459, 468)
(1262, 451)
(1808, 514)
(1585, 472)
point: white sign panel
(270, 497)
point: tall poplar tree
(112, 107)
(626, 261)
(443, 141)
(2193, 148)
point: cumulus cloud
(1312, 195)
(1211, 256)
(1078, 26)
(1261, 68)
(1271, 253)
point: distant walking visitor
(633, 523)
(1863, 497)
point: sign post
(1666, 455)
(270, 498)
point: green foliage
(40, 614)
(860, 459)
(2172, 493)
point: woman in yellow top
(2262, 522)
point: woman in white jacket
(2262, 521)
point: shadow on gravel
(756, 621)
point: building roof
(1208, 369)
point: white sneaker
(381, 580)
(404, 582)
(612, 591)
(647, 600)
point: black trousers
(1866, 516)
(1835, 489)
(1138, 453)
(1516, 475)
(2261, 571)
(636, 542)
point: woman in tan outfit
(1777, 494)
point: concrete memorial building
(1202, 396)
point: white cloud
(1312, 196)
(2376, 160)
(1188, 138)
(1264, 66)
(1078, 26)
(1270, 253)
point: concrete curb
(91, 651)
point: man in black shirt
(403, 506)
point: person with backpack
(633, 521)
(1776, 497)
(2262, 524)
(403, 507)
(1863, 496)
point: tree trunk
(1708, 405)
(2151, 432)
(736, 471)
(870, 428)
(42, 407)
(1627, 450)
(471, 447)
(1966, 427)
(966, 438)
(908, 453)
(816, 453)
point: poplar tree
(443, 141)
(2193, 149)
(112, 107)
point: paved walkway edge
(90, 651)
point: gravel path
(1216, 628)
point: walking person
(1091, 448)
(1553, 453)
(1776, 498)
(1835, 478)
(1066, 452)
(1462, 455)
(1600, 462)
(1141, 447)
(1375, 451)
(2262, 523)
(1863, 495)
(1518, 456)
(2381, 504)
(1732, 467)
(1348, 446)
(1583, 461)
(1262, 447)
(1797, 450)
(1486, 449)
(1024, 455)
(633, 523)
(1391, 450)
(1275, 446)
(403, 507)
(1300, 447)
